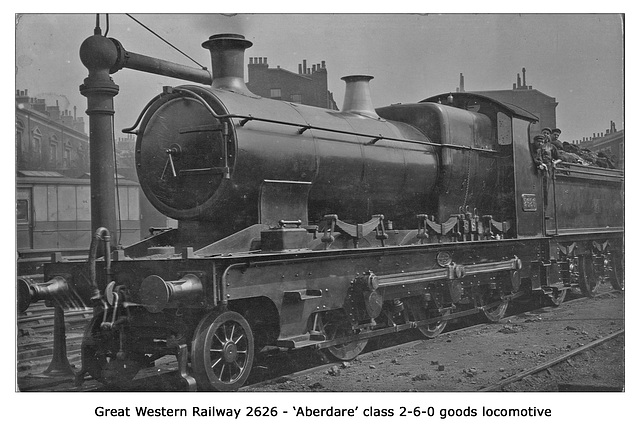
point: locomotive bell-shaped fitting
(227, 61)
(357, 96)
(156, 294)
(29, 291)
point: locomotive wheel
(617, 272)
(222, 351)
(335, 326)
(556, 297)
(496, 313)
(587, 279)
(99, 351)
(417, 312)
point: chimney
(227, 61)
(299, 69)
(518, 82)
(524, 78)
(323, 65)
(357, 96)
(461, 83)
(304, 66)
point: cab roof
(462, 100)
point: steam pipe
(100, 234)
(135, 61)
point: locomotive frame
(266, 257)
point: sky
(575, 58)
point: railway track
(272, 366)
(555, 361)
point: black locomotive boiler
(302, 227)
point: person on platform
(545, 153)
(555, 138)
(546, 132)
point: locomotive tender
(307, 227)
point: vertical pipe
(98, 54)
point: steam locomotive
(303, 227)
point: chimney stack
(357, 96)
(524, 78)
(227, 61)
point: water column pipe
(98, 55)
(103, 56)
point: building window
(53, 151)
(19, 133)
(22, 211)
(36, 152)
(296, 98)
(67, 158)
(276, 93)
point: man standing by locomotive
(545, 153)
(545, 157)
(546, 132)
(555, 136)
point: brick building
(308, 86)
(525, 97)
(49, 139)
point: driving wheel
(418, 312)
(336, 325)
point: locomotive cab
(478, 138)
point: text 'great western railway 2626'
(303, 227)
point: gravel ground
(481, 356)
